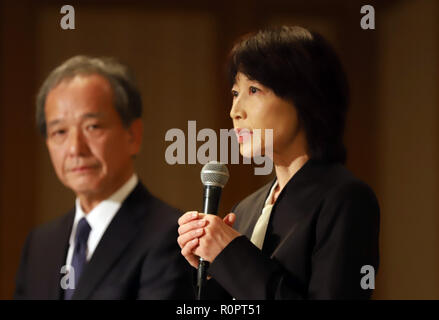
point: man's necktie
(79, 258)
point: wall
(177, 52)
(408, 151)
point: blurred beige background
(178, 52)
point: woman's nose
(237, 112)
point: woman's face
(258, 107)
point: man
(118, 242)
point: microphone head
(214, 173)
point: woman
(309, 233)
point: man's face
(90, 148)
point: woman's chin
(247, 152)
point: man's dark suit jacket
(323, 228)
(137, 257)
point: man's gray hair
(127, 99)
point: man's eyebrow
(53, 122)
(93, 115)
(84, 116)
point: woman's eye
(253, 89)
(234, 93)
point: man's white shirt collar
(100, 217)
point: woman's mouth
(243, 134)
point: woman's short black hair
(300, 66)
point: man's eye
(92, 127)
(58, 132)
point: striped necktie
(79, 258)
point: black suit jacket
(137, 257)
(323, 228)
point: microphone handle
(211, 198)
(203, 265)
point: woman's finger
(191, 225)
(230, 219)
(189, 236)
(188, 216)
(187, 252)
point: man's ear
(136, 134)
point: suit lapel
(298, 198)
(60, 247)
(121, 231)
(253, 211)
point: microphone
(214, 176)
